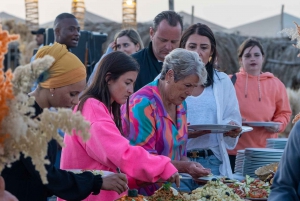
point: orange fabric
(66, 70)
(6, 86)
(274, 106)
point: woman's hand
(195, 134)
(5, 195)
(112, 45)
(115, 182)
(233, 133)
(195, 169)
(175, 179)
(272, 129)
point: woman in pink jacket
(107, 149)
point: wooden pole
(192, 17)
(282, 19)
(171, 4)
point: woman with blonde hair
(127, 41)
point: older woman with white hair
(157, 120)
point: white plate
(246, 129)
(262, 150)
(261, 124)
(209, 177)
(95, 172)
(185, 176)
(278, 139)
(213, 128)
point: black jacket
(150, 67)
(23, 181)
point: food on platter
(166, 192)
(132, 195)
(213, 190)
(267, 172)
(227, 180)
(251, 188)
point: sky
(226, 13)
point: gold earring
(210, 58)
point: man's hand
(5, 195)
(195, 169)
(115, 182)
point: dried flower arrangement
(18, 131)
(293, 34)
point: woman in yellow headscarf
(59, 86)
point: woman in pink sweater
(262, 97)
(107, 149)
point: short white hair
(184, 63)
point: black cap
(39, 31)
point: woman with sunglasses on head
(214, 102)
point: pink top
(107, 149)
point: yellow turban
(67, 69)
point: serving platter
(261, 123)
(261, 199)
(213, 128)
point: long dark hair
(113, 65)
(203, 30)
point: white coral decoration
(47, 124)
(31, 136)
(293, 34)
(24, 76)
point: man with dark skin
(66, 30)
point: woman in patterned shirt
(156, 119)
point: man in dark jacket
(286, 185)
(165, 36)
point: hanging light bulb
(129, 2)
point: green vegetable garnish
(167, 186)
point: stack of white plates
(239, 161)
(258, 157)
(276, 143)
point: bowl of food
(264, 172)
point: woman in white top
(214, 103)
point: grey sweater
(286, 185)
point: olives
(214, 179)
(227, 178)
(228, 194)
(207, 196)
(132, 193)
